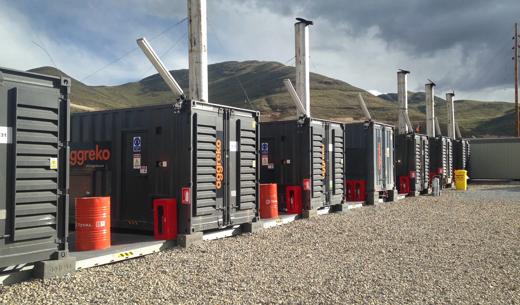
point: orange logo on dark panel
(219, 169)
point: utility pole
(515, 58)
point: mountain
(259, 85)
(474, 117)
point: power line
(48, 54)
(133, 50)
(217, 39)
(289, 60)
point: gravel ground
(459, 248)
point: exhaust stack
(403, 121)
(438, 131)
(451, 115)
(364, 108)
(300, 108)
(198, 66)
(302, 62)
(430, 108)
(159, 66)
(457, 129)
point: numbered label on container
(5, 135)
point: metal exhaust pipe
(430, 108)
(451, 114)
(302, 62)
(198, 65)
(364, 108)
(300, 108)
(160, 67)
(403, 121)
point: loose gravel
(455, 249)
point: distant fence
(495, 158)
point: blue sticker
(264, 147)
(136, 143)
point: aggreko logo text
(81, 156)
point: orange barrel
(92, 223)
(268, 201)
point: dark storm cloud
(481, 29)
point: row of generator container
(209, 158)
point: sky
(464, 45)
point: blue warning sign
(264, 147)
(136, 143)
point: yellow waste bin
(461, 179)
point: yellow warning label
(53, 163)
(124, 254)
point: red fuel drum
(165, 218)
(92, 223)
(268, 200)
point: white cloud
(237, 31)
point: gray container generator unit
(305, 159)
(412, 163)
(203, 155)
(441, 160)
(369, 158)
(34, 148)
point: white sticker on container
(233, 146)
(331, 147)
(5, 135)
(2, 214)
(265, 160)
(233, 193)
(137, 161)
(144, 169)
(53, 163)
(387, 152)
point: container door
(319, 164)
(209, 170)
(336, 155)
(449, 156)
(389, 158)
(444, 156)
(33, 157)
(135, 204)
(425, 160)
(225, 167)
(418, 147)
(243, 152)
(379, 158)
(464, 154)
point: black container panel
(413, 160)
(209, 149)
(34, 115)
(304, 149)
(441, 156)
(370, 155)
(461, 152)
